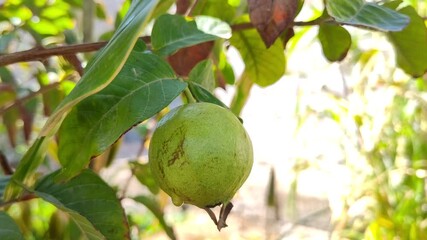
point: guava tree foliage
(151, 58)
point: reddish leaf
(182, 6)
(185, 59)
(272, 17)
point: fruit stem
(189, 96)
(223, 214)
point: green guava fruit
(200, 154)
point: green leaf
(213, 26)
(263, 66)
(182, 33)
(90, 202)
(203, 95)
(411, 44)
(31, 160)
(102, 70)
(224, 68)
(44, 27)
(145, 86)
(203, 74)
(9, 230)
(100, 11)
(154, 207)
(144, 175)
(335, 40)
(371, 15)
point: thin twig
(242, 26)
(317, 21)
(7, 169)
(25, 197)
(22, 100)
(38, 54)
(314, 22)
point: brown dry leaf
(185, 59)
(272, 17)
(182, 6)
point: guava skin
(200, 154)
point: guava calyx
(223, 214)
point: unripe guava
(200, 154)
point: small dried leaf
(186, 58)
(272, 17)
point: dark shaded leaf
(411, 44)
(140, 46)
(146, 85)
(154, 207)
(272, 17)
(90, 202)
(186, 58)
(203, 95)
(367, 14)
(335, 40)
(9, 230)
(182, 33)
(7, 77)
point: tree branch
(41, 53)
(317, 21)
